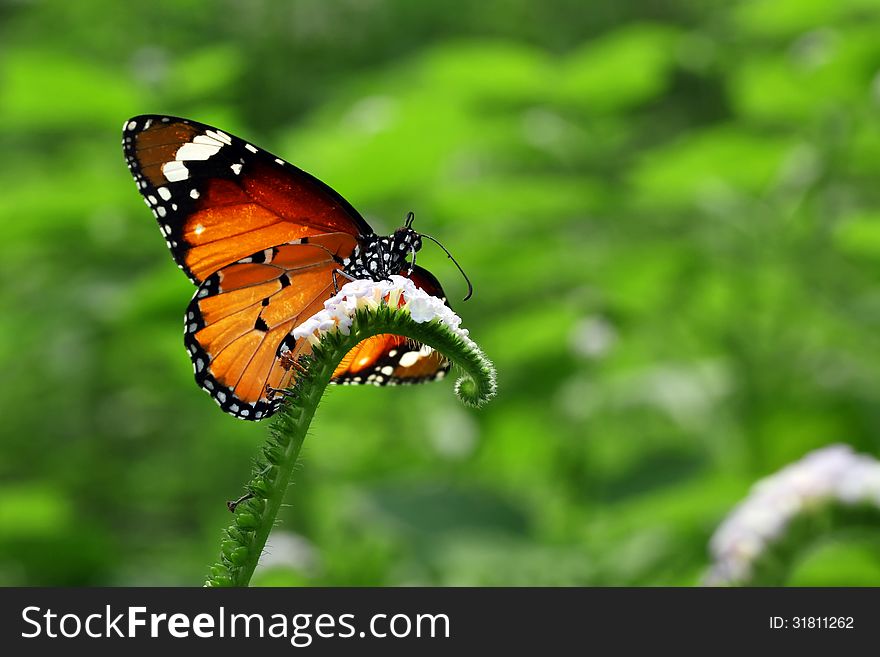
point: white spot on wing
(252, 149)
(194, 193)
(199, 229)
(236, 169)
(207, 140)
(222, 137)
(164, 193)
(175, 171)
(410, 358)
(197, 151)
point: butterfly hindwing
(390, 360)
(238, 323)
(218, 198)
(394, 359)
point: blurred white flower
(453, 432)
(290, 550)
(831, 474)
(373, 114)
(593, 337)
(398, 292)
(690, 393)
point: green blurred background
(670, 212)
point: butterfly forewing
(218, 198)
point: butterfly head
(397, 247)
(405, 241)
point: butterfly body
(266, 244)
(378, 257)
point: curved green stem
(244, 540)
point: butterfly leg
(336, 282)
(386, 272)
(382, 264)
(271, 392)
(233, 504)
(288, 362)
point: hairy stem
(244, 540)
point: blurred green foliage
(670, 211)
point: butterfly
(266, 244)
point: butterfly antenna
(449, 255)
(410, 217)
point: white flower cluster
(831, 474)
(399, 292)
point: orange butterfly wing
(238, 323)
(219, 199)
(394, 359)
